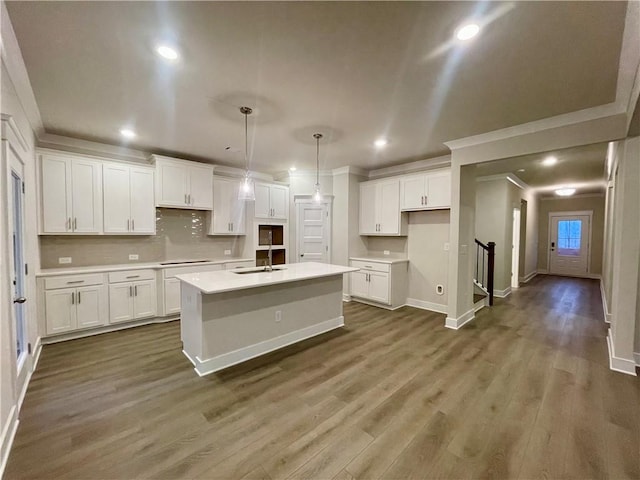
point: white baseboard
(479, 305)
(618, 364)
(502, 293)
(542, 271)
(595, 276)
(527, 278)
(433, 307)
(636, 356)
(456, 323)
(605, 307)
(107, 329)
(211, 365)
(346, 297)
(8, 435)
(374, 304)
(37, 350)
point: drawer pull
(75, 281)
(133, 276)
(368, 266)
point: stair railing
(485, 267)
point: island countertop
(229, 280)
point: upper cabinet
(71, 199)
(129, 206)
(271, 201)
(427, 191)
(228, 217)
(380, 209)
(183, 184)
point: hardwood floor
(524, 391)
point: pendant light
(247, 189)
(317, 197)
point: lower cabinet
(171, 296)
(73, 308)
(132, 295)
(380, 282)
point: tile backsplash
(180, 234)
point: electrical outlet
(440, 289)
(64, 259)
(133, 256)
(446, 246)
(278, 315)
(386, 252)
(227, 252)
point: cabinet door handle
(133, 225)
(79, 298)
(133, 276)
(232, 226)
(190, 201)
(73, 296)
(128, 224)
(75, 223)
(68, 224)
(135, 291)
(75, 281)
(130, 291)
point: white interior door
(515, 250)
(313, 232)
(569, 244)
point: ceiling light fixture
(167, 52)
(520, 170)
(247, 190)
(127, 133)
(467, 31)
(381, 142)
(317, 197)
(565, 192)
(292, 169)
(547, 162)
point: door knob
(20, 300)
(302, 254)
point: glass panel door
(18, 262)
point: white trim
(502, 293)
(480, 304)
(107, 329)
(327, 201)
(211, 365)
(8, 435)
(457, 323)
(346, 297)
(618, 364)
(636, 356)
(374, 304)
(309, 173)
(593, 276)
(578, 213)
(37, 350)
(530, 276)
(412, 167)
(510, 177)
(193, 362)
(605, 307)
(350, 170)
(424, 305)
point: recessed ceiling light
(467, 31)
(167, 52)
(381, 142)
(127, 133)
(520, 170)
(565, 192)
(292, 169)
(547, 162)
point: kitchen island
(229, 317)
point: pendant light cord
(246, 144)
(317, 160)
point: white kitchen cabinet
(71, 195)
(132, 295)
(74, 307)
(129, 206)
(380, 209)
(171, 296)
(170, 303)
(183, 184)
(228, 217)
(380, 283)
(271, 201)
(428, 191)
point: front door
(569, 245)
(313, 232)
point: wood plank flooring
(524, 391)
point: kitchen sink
(245, 271)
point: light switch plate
(446, 246)
(133, 256)
(64, 260)
(387, 252)
(227, 252)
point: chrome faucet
(269, 268)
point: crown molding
(87, 147)
(412, 167)
(350, 170)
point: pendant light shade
(317, 196)
(247, 188)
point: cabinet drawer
(70, 281)
(172, 272)
(373, 266)
(132, 276)
(232, 265)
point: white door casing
(313, 232)
(569, 243)
(515, 250)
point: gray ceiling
(352, 70)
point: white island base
(228, 318)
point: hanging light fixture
(247, 190)
(317, 197)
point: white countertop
(378, 259)
(134, 266)
(227, 280)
